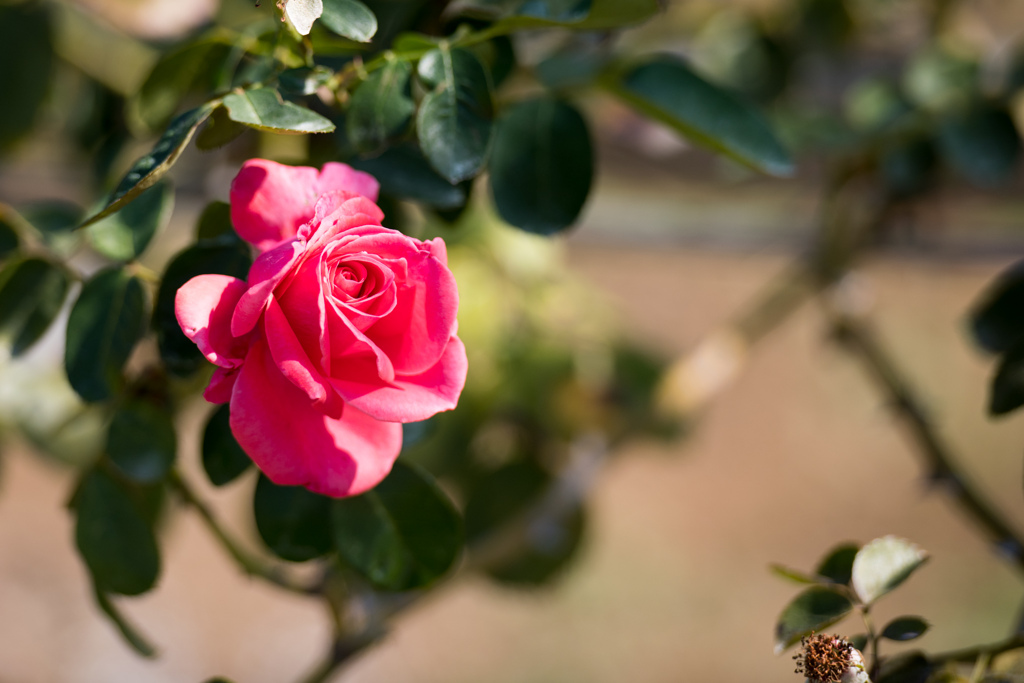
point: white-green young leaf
(263, 109)
(302, 13)
(665, 89)
(349, 19)
(454, 120)
(883, 564)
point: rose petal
(335, 176)
(297, 445)
(204, 306)
(221, 385)
(294, 364)
(342, 212)
(408, 398)
(269, 269)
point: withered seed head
(824, 658)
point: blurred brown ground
(672, 584)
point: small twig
(938, 456)
(971, 654)
(869, 625)
(249, 563)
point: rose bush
(343, 330)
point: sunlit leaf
(349, 18)
(883, 564)
(302, 13)
(219, 130)
(263, 109)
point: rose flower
(343, 330)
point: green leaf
(125, 234)
(349, 19)
(995, 320)
(403, 534)
(1007, 391)
(179, 353)
(292, 521)
(571, 69)
(113, 537)
(146, 171)
(263, 109)
(223, 459)
(794, 575)
(814, 609)
(837, 566)
(141, 441)
(859, 641)
(129, 632)
(982, 144)
(664, 88)
(498, 55)
(571, 14)
(454, 119)
(175, 74)
(910, 667)
(26, 50)
(905, 628)
(55, 219)
(219, 131)
(215, 223)
(541, 166)
(105, 324)
(403, 172)
(882, 565)
(9, 242)
(381, 107)
(304, 80)
(32, 292)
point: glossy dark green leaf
(498, 56)
(294, 522)
(403, 172)
(381, 107)
(905, 628)
(541, 166)
(1007, 391)
(883, 564)
(910, 667)
(32, 292)
(55, 219)
(215, 223)
(350, 19)
(223, 459)
(106, 321)
(128, 631)
(146, 171)
(141, 441)
(454, 119)
(174, 75)
(403, 534)
(26, 51)
(113, 537)
(837, 566)
(125, 234)
(180, 355)
(219, 130)
(304, 80)
(263, 109)
(9, 241)
(997, 319)
(982, 144)
(814, 609)
(664, 88)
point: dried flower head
(829, 659)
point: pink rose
(343, 330)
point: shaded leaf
(350, 19)
(141, 441)
(813, 610)
(304, 80)
(233, 258)
(26, 48)
(223, 459)
(664, 88)
(105, 323)
(997, 319)
(1007, 391)
(403, 534)
(403, 172)
(381, 107)
(55, 219)
(571, 69)
(32, 292)
(905, 628)
(541, 166)
(215, 223)
(982, 144)
(125, 234)
(883, 564)
(263, 109)
(859, 641)
(911, 667)
(219, 130)
(113, 537)
(573, 14)
(9, 242)
(837, 566)
(175, 74)
(147, 170)
(454, 119)
(128, 631)
(292, 521)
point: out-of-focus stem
(971, 654)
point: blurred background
(800, 452)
